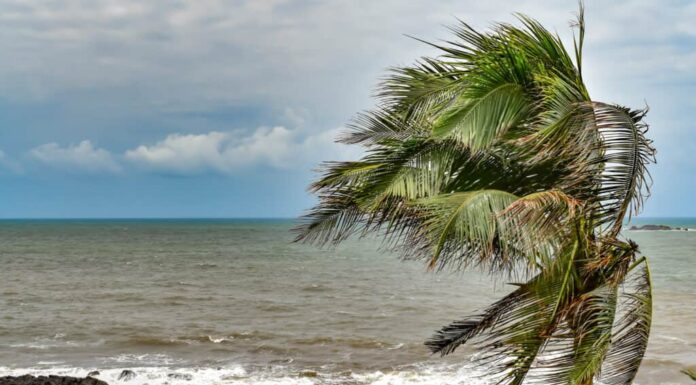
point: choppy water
(235, 302)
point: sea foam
(237, 374)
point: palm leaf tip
(450, 337)
(690, 373)
(446, 340)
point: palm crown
(493, 155)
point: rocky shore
(657, 228)
(124, 376)
(49, 380)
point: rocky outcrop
(49, 380)
(180, 376)
(126, 375)
(656, 227)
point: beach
(236, 302)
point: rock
(181, 376)
(651, 227)
(126, 375)
(50, 380)
(93, 373)
(308, 373)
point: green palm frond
(457, 227)
(540, 220)
(479, 122)
(450, 337)
(379, 127)
(414, 92)
(632, 329)
(690, 373)
(334, 221)
(577, 352)
(520, 338)
(626, 154)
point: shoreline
(29, 379)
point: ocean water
(235, 302)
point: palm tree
(494, 156)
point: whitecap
(219, 340)
(281, 375)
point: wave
(198, 339)
(681, 230)
(280, 375)
(316, 288)
(157, 359)
(351, 342)
(672, 338)
(57, 341)
(276, 308)
(206, 265)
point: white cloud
(83, 157)
(226, 152)
(229, 152)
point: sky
(208, 108)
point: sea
(218, 301)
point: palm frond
(417, 91)
(590, 320)
(579, 41)
(378, 128)
(456, 227)
(331, 222)
(690, 373)
(450, 337)
(540, 221)
(523, 334)
(631, 331)
(478, 123)
(625, 180)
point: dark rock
(181, 376)
(50, 380)
(126, 375)
(93, 373)
(308, 373)
(651, 227)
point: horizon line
(242, 217)
(140, 218)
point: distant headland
(657, 228)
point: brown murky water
(235, 302)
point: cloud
(83, 157)
(229, 152)
(323, 56)
(212, 55)
(153, 76)
(188, 55)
